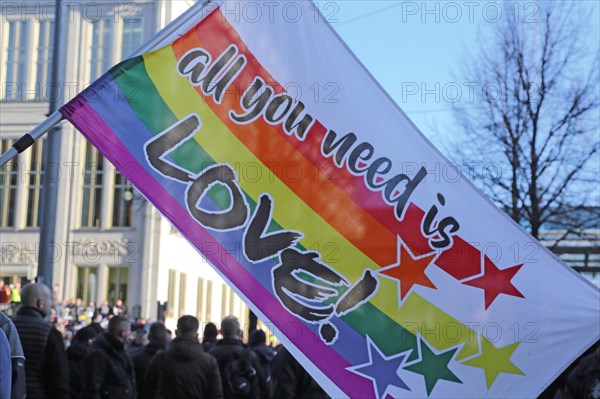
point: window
(171, 294)
(133, 34)
(27, 71)
(224, 301)
(101, 52)
(182, 291)
(87, 283)
(94, 182)
(16, 55)
(228, 302)
(8, 188)
(44, 59)
(200, 301)
(92, 187)
(34, 190)
(122, 201)
(232, 296)
(118, 280)
(208, 313)
(204, 300)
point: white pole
(29, 138)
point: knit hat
(210, 331)
(257, 337)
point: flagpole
(29, 138)
(49, 202)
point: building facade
(110, 243)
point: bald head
(37, 296)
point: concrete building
(110, 242)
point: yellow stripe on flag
(222, 145)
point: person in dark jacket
(258, 343)
(76, 353)
(209, 336)
(583, 381)
(291, 381)
(109, 371)
(229, 349)
(46, 367)
(184, 370)
(17, 357)
(157, 341)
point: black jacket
(141, 360)
(291, 381)
(76, 355)
(184, 371)
(583, 381)
(229, 349)
(46, 367)
(208, 344)
(108, 371)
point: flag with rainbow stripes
(380, 266)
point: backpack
(239, 376)
(265, 356)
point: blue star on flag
(382, 370)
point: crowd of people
(106, 359)
(69, 315)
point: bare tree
(536, 119)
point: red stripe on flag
(328, 200)
(461, 262)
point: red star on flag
(409, 271)
(495, 281)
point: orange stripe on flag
(329, 201)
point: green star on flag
(433, 367)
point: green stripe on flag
(144, 99)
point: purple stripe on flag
(85, 118)
(122, 121)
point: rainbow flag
(275, 153)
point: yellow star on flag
(495, 360)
